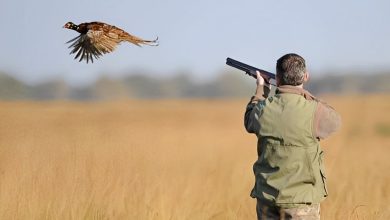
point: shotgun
(250, 70)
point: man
(290, 177)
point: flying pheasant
(98, 38)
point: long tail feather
(138, 41)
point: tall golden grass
(175, 159)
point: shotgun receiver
(250, 70)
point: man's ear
(277, 79)
(306, 77)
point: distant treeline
(142, 86)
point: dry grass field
(173, 159)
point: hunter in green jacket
(289, 172)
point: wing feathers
(84, 48)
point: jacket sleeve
(251, 118)
(255, 108)
(326, 121)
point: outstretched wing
(103, 40)
(91, 45)
(83, 48)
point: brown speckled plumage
(98, 38)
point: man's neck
(298, 86)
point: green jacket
(290, 170)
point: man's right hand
(263, 87)
(262, 80)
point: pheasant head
(71, 25)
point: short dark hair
(291, 69)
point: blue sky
(195, 36)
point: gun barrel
(247, 68)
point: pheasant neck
(74, 27)
(82, 28)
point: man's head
(291, 70)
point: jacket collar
(295, 90)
